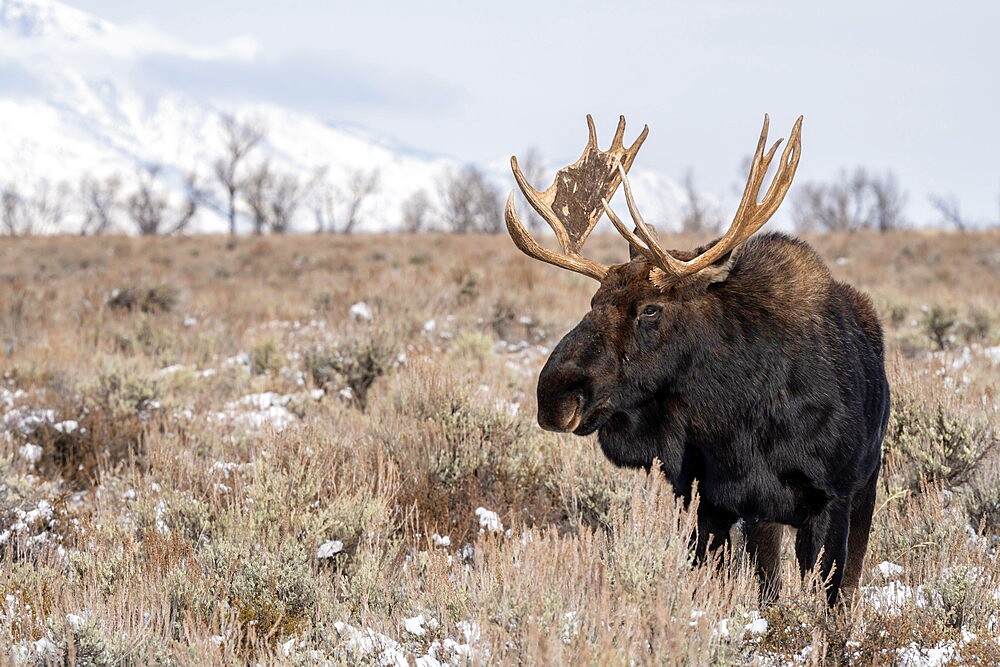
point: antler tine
(527, 244)
(786, 171)
(591, 133)
(644, 238)
(617, 141)
(631, 151)
(572, 204)
(663, 258)
(758, 170)
(750, 216)
(534, 198)
(629, 235)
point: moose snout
(563, 417)
(563, 392)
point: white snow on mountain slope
(33, 18)
(75, 101)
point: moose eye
(650, 311)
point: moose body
(742, 366)
(766, 388)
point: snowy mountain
(75, 102)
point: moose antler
(572, 205)
(750, 216)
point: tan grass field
(206, 459)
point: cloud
(324, 83)
(317, 82)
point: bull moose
(741, 365)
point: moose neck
(722, 360)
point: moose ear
(633, 252)
(718, 271)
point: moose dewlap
(741, 365)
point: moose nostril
(561, 416)
(575, 417)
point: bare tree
(818, 206)
(838, 206)
(287, 192)
(149, 205)
(888, 201)
(274, 198)
(240, 139)
(323, 202)
(471, 203)
(330, 204)
(49, 203)
(38, 212)
(416, 211)
(360, 185)
(12, 211)
(699, 216)
(255, 191)
(950, 211)
(858, 200)
(100, 201)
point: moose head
(650, 314)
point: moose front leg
(763, 544)
(712, 534)
(824, 538)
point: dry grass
(188, 423)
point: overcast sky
(907, 86)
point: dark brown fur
(762, 378)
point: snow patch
(30, 453)
(489, 520)
(255, 411)
(757, 627)
(329, 549)
(415, 625)
(889, 570)
(893, 598)
(361, 312)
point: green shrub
(896, 311)
(147, 299)
(146, 336)
(931, 440)
(112, 569)
(964, 596)
(469, 285)
(87, 642)
(266, 357)
(982, 502)
(84, 642)
(31, 589)
(354, 364)
(472, 345)
(121, 388)
(938, 323)
(272, 594)
(185, 515)
(978, 327)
